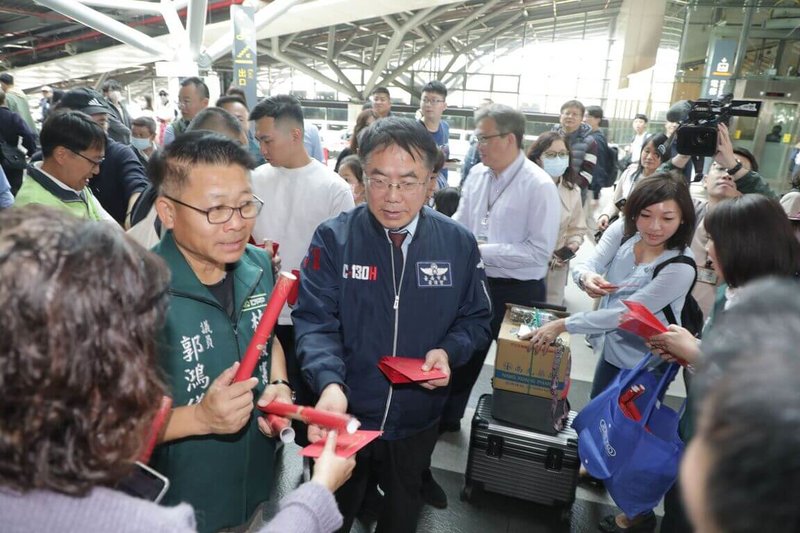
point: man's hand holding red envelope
(675, 345)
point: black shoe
(432, 493)
(449, 427)
(645, 523)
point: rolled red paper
(309, 415)
(292, 299)
(265, 326)
(282, 427)
(155, 429)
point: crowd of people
(216, 200)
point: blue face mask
(141, 144)
(555, 166)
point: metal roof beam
(195, 26)
(264, 16)
(441, 39)
(392, 45)
(308, 71)
(127, 5)
(107, 25)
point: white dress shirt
(523, 211)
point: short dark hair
(219, 120)
(111, 85)
(435, 86)
(747, 154)
(573, 103)
(641, 116)
(74, 130)
(199, 85)
(747, 410)
(752, 239)
(279, 107)
(145, 122)
(7, 78)
(508, 119)
(541, 145)
(77, 401)
(197, 147)
(380, 90)
(446, 200)
(594, 111)
(231, 99)
(354, 164)
(233, 90)
(661, 187)
(408, 134)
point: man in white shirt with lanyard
(512, 207)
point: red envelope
(407, 370)
(346, 445)
(640, 321)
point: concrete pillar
(637, 36)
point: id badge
(706, 275)
(483, 231)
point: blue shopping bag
(637, 461)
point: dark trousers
(398, 465)
(675, 520)
(14, 179)
(304, 394)
(502, 291)
(604, 374)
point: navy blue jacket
(345, 319)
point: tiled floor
(495, 513)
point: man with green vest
(73, 147)
(216, 451)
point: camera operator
(727, 177)
(725, 160)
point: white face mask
(555, 166)
(141, 144)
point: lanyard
(489, 203)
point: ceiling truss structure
(445, 39)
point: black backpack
(691, 314)
(611, 165)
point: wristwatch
(734, 169)
(284, 382)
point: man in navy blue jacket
(390, 278)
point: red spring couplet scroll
(309, 415)
(265, 326)
(282, 426)
(155, 429)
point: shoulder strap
(686, 260)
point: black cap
(84, 99)
(641, 116)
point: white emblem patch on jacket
(430, 274)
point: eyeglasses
(484, 139)
(89, 159)
(553, 155)
(432, 101)
(220, 214)
(380, 185)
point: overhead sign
(719, 69)
(244, 51)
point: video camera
(698, 119)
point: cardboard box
(518, 370)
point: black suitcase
(515, 461)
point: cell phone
(144, 482)
(565, 253)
